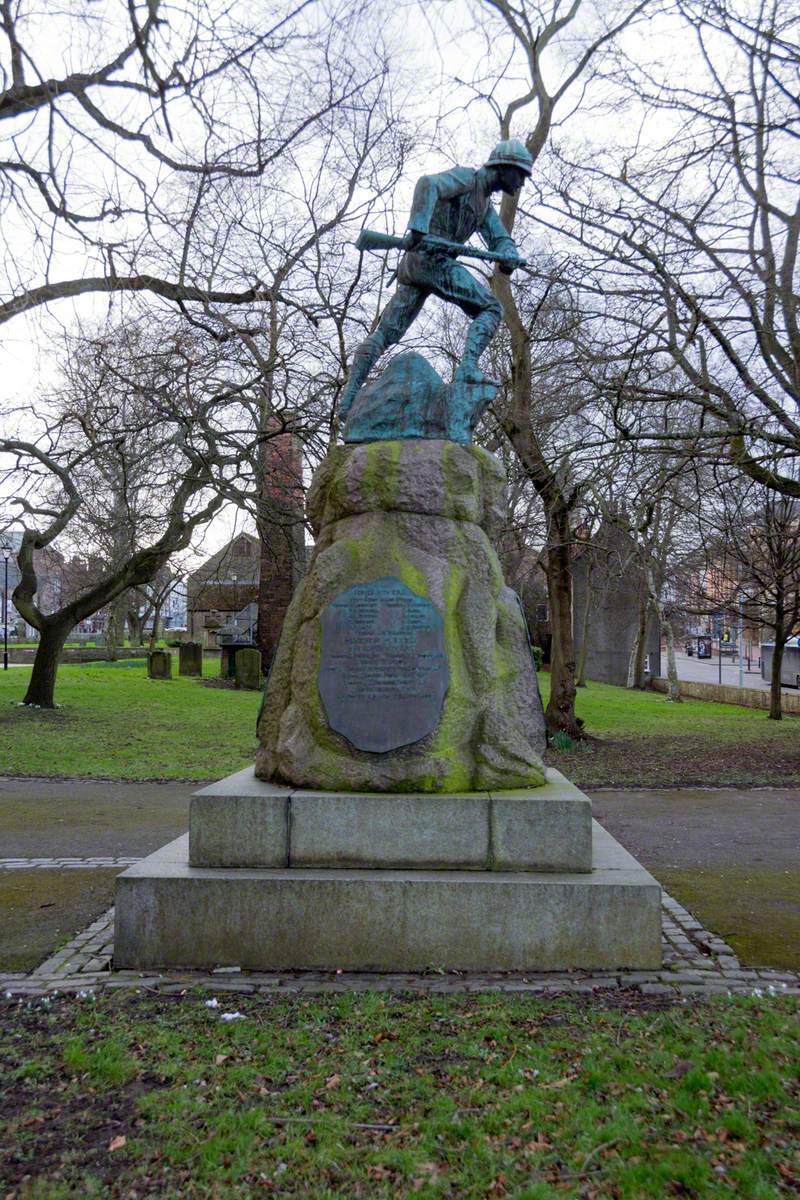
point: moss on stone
(755, 909)
(449, 738)
(380, 472)
(438, 553)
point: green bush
(538, 657)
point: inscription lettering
(383, 671)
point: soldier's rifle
(369, 239)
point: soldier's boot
(472, 392)
(480, 333)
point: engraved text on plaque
(383, 671)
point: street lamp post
(6, 556)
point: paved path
(69, 818)
(700, 827)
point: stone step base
(169, 914)
(242, 821)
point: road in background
(705, 670)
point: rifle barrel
(370, 239)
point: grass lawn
(115, 723)
(639, 739)
(378, 1096)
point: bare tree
(751, 541)
(688, 237)
(125, 465)
(112, 162)
(536, 32)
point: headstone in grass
(248, 669)
(159, 664)
(190, 658)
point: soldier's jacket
(455, 204)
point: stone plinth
(171, 914)
(245, 822)
(419, 515)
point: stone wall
(727, 694)
(24, 654)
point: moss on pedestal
(405, 510)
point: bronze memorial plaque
(383, 671)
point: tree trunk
(560, 713)
(665, 625)
(580, 680)
(115, 626)
(636, 665)
(775, 697)
(135, 628)
(672, 666)
(632, 660)
(157, 631)
(42, 683)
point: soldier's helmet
(512, 153)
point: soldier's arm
(496, 236)
(430, 189)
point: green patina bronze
(410, 399)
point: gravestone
(383, 670)
(248, 669)
(190, 658)
(159, 664)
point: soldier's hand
(509, 265)
(413, 238)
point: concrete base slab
(244, 822)
(169, 914)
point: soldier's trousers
(419, 276)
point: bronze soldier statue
(451, 206)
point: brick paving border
(67, 863)
(695, 963)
